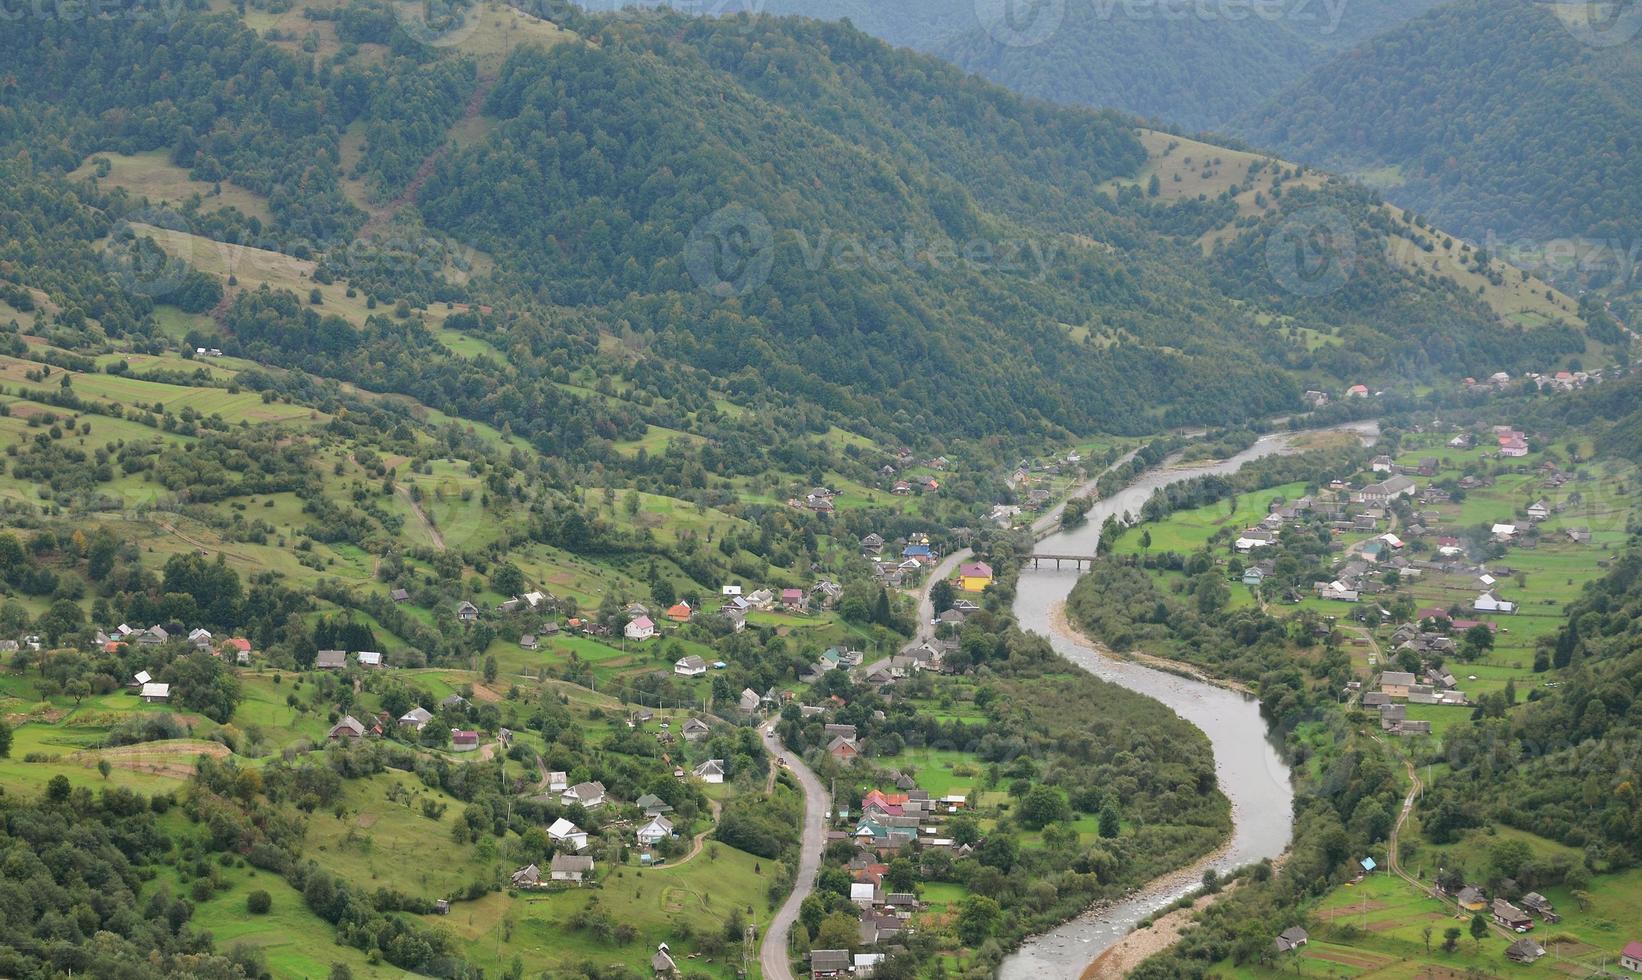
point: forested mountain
(923, 245)
(1190, 65)
(1495, 117)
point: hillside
(1493, 117)
(1196, 67)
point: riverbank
(1138, 946)
(1062, 624)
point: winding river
(1251, 773)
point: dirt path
(196, 543)
(422, 518)
(424, 170)
(699, 840)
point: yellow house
(975, 576)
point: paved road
(772, 955)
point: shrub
(258, 902)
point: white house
(657, 830)
(1382, 464)
(564, 832)
(1254, 538)
(589, 795)
(370, 658)
(641, 628)
(570, 867)
(1491, 602)
(862, 893)
(711, 771)
(558, 782)
(1505, 531)
(156, 693)
(691, 666)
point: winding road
(772, 954)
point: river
(1251, 772)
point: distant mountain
(1195, 65)
(1498, 118)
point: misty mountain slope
(1196, 66)
(1492, 116)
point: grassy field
(152, 175)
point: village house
(749, 702)
(348, 728)
(975, 576)
(557, 781)
(1290, 939)
(695, 730)
(1386, 492)
(399, 595)
(154, 692)
(1395, 683)
(1252, 538)
(466, 611)
(570, 867)
(1541, 906)
(416, 718)
(369, 658)
(826, 964)
(794, 600)
(527, 877)
(1381, 464)
(330, 660)
(826, 593)
(1524, 951)
(653, 805)
(589, 795)
(690, 666)
(711, 771)
(657, 830)
(1471, 899)
(662, 964)
(1509, 916)
(564, 832)
(463, 740)
(1491, 602)
(1631, 957)
(843, 749)
(528, 641)
(872, 544)
(680, 612)
(641, 628)
(1539, 510)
